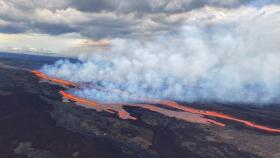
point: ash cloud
(224, 55)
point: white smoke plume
(223, 55)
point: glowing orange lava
(185, 113)
(55, 80)
(213, 114)
(122, 113)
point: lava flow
(185, 113)
(54, 80)
(215, 114)
(122, 113)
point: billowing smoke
(223, 55)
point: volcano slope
(35, 122)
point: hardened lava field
(37, 121)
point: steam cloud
(224, 55)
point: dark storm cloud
(103, 18)
(12, 29)
(53, 29)
(148, 6)
(93, 5)
(21, 16)
(36, 27)
(112, 5)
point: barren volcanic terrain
(40, 119)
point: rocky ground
(35, 123)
